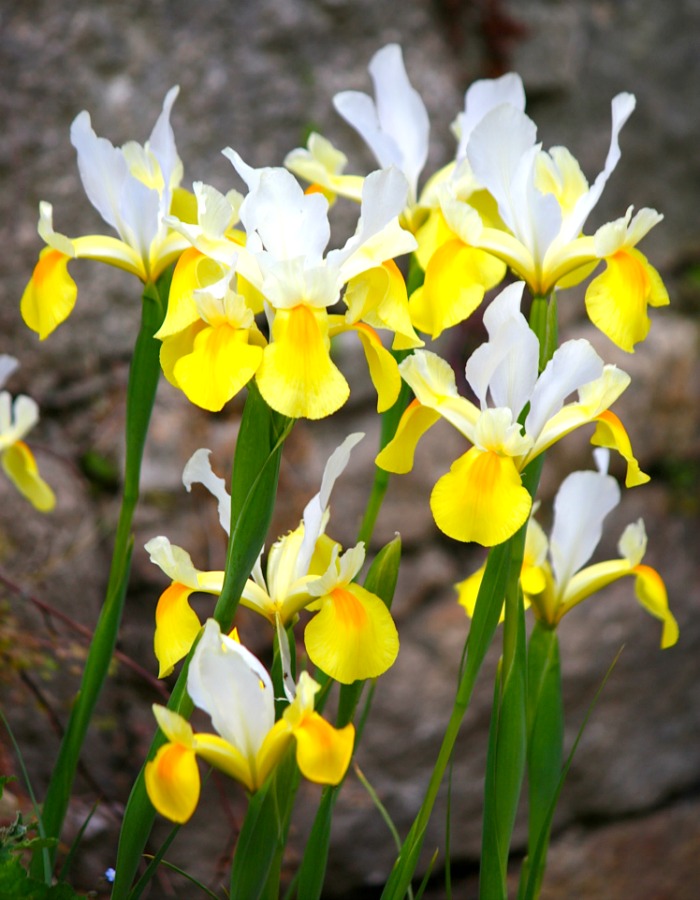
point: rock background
(256, 76)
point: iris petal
(20, 467)
(177, 625)
(172, 782)
(50, 296)
(480, 499)
(323, 752)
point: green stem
(143, 381)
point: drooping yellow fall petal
(353, 636)
(177, 625)
(651, 593)
(20, 467)
(468, 589)
(610, 433)
(50, 296)
(297, 376)
(383, 368)
(172, 782)
(617, 299)
(480, 499)
(182, 309)
(398, 454)
(323, 752)
(219, 365)
(271, 751)
(455, 281)
(378, 297)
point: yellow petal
(468, 590)
(398, 454)
(480, 499)
(353, 636)
(610, 433)
(378, 297)
(21, 468)
(50, 296)
(219, 753)
(454, 286)
(617, 299)
(323, 752)
(182, 309)
(297, 377)
(176, 346)
(220, 364)
(177, 625)
(270, 753)
(172, 782)
(383, 368)
(651, 593)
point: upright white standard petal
(233, 687)
(316, 509)
(573, 365)
(395, 125)
(378, 235)
(16, 418)
(622, 108)
(506, 366)
(580, 507)
(198, 470)
(483, 96)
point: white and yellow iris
(351, 635)
(230, 684)
(543, 202)
(555, 577)
(521, 414)
(17, 418)
(134, 188)
(278, 264)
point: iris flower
(351, 635)
(280, 265)
(17, 418)
(520, 415)
(133, 188)
(233, 687)
(555, 577)
(544, 201)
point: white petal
(162, 143)
(483, 96)
(103, 170)
(228, 682)
(314, 512)
(580, 507)
(633, 543)
(198, 470)
(573, 365)
(173, 560)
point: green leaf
(143, 381)
(255, 872)
(16, 883)
(545, 742)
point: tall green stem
(143, 381)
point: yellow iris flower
(17, 418)
(134, 188)
(555, 577)
(482, 497)
(351, 635)
(233, 687)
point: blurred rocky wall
(257, 76)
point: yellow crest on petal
(220, 363)
(481, 499)
(177, 625)
(21, 468)
(353, 636)
(50, 296)
(172, 782)
(323, 752)
(617, 299)
(297, 376)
